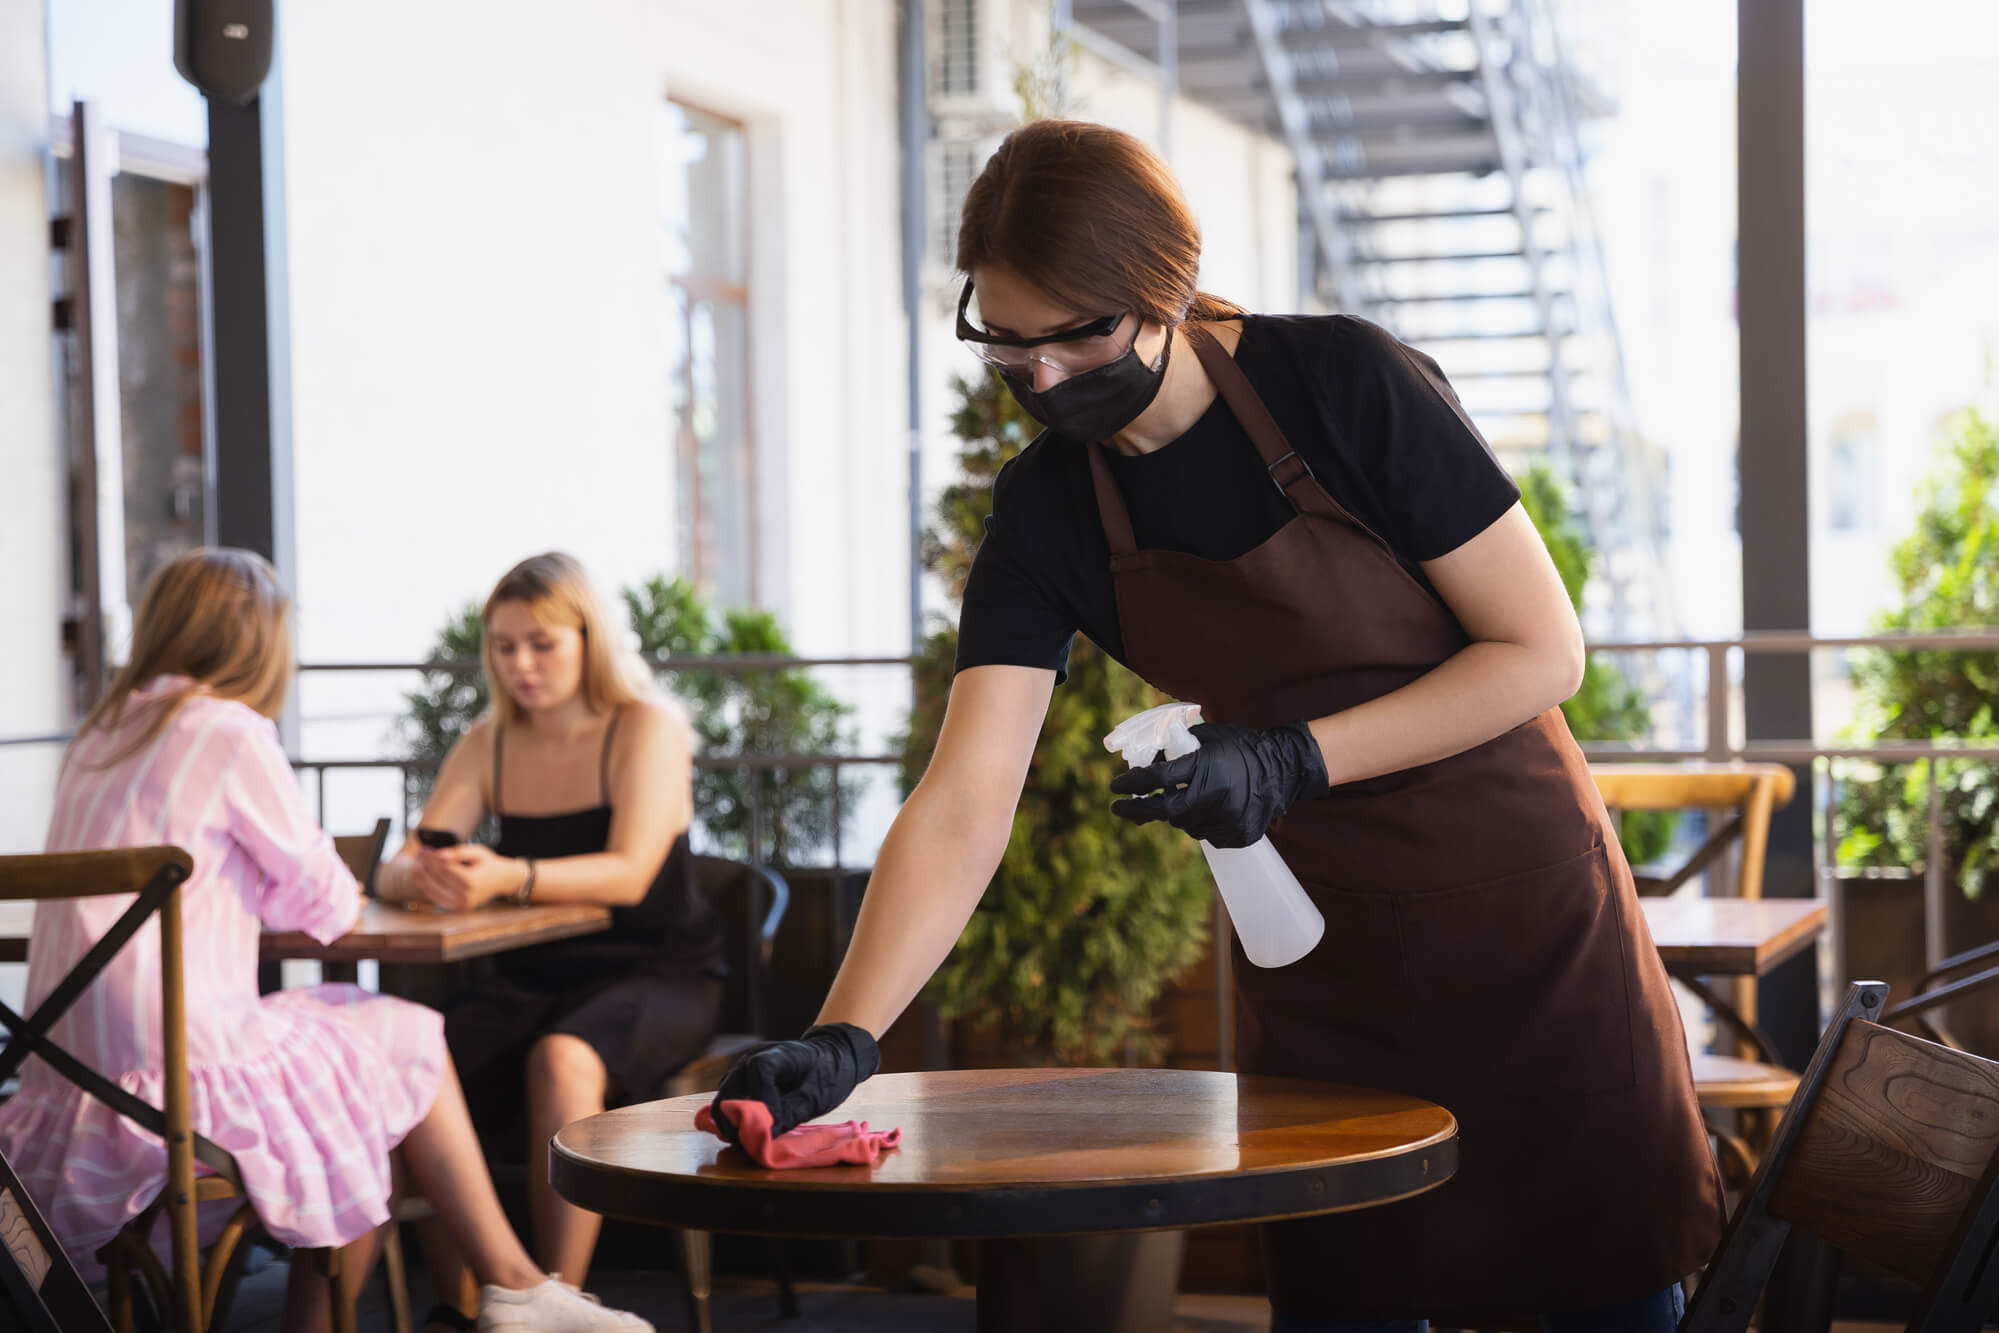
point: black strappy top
(673, 929)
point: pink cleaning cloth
(850, 1142)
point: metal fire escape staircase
(1439, 161)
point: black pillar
(250, 470)
(246, 500)
(1774, 513)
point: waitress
(1290, 521)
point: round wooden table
(1032, 1162)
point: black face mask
(1096, 404)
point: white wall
(476, 342)
(31, 537)
(32, 545)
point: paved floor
(750, 1306)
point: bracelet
(525, 894)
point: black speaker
(223, 47)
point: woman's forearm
(609, 878)
(392, 880)
(1484, 690)
(934, 866)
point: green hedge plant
(1947, 575)
(1088, 917)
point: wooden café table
(391, 933)
(1732, 936)
(1038, 1164)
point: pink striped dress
(308, 1088)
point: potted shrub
(1947, 572)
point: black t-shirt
(1375, 419)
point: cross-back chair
(40, 1289)
(362, 853)
(196, 1293)
(1889, 1152)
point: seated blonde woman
(587, 772)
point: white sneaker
(552, 1307)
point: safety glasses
(1071, 351)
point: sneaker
(552, 1307)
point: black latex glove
(798, 1080)
(1227, 792)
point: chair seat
(1726, 1081)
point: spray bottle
(1274, 919)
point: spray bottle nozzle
(1141, 738)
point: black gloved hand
(798, 1080)
(1227, 792)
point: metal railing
(1719, 743)
(724, 664)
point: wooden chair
(1889, 1151)
(751, 900)
(1942, 985)
(40, 1289)
(1744, 1091)
(363, 853)
(195, 1296)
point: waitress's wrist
(524, 894)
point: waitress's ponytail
(1208, 307)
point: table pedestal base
(1108, 1283)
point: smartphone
(437, 837)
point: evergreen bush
(1088, 917)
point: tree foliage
(1947, 572)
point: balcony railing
(1700, 698)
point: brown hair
(215, 615)
(1094, 218)
(556, 591)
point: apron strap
(1287, 469)
(1110, 505)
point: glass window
(159, 372)
(704, 214)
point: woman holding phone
(587, 772)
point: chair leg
(342, 1272)
(780, 1267)
(396, 1274)
(468, 1293)
(121, 1296)
(1799, 1295)
(696, 1254)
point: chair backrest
(1889, 1152)
(155, 875)
(39, 1286)
(1749, 792)
(1947, 984)
(750, 899)
(363, 852)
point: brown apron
(1484, 947)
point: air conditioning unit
(955, 162)
(971, 78)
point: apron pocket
(1521, 985)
